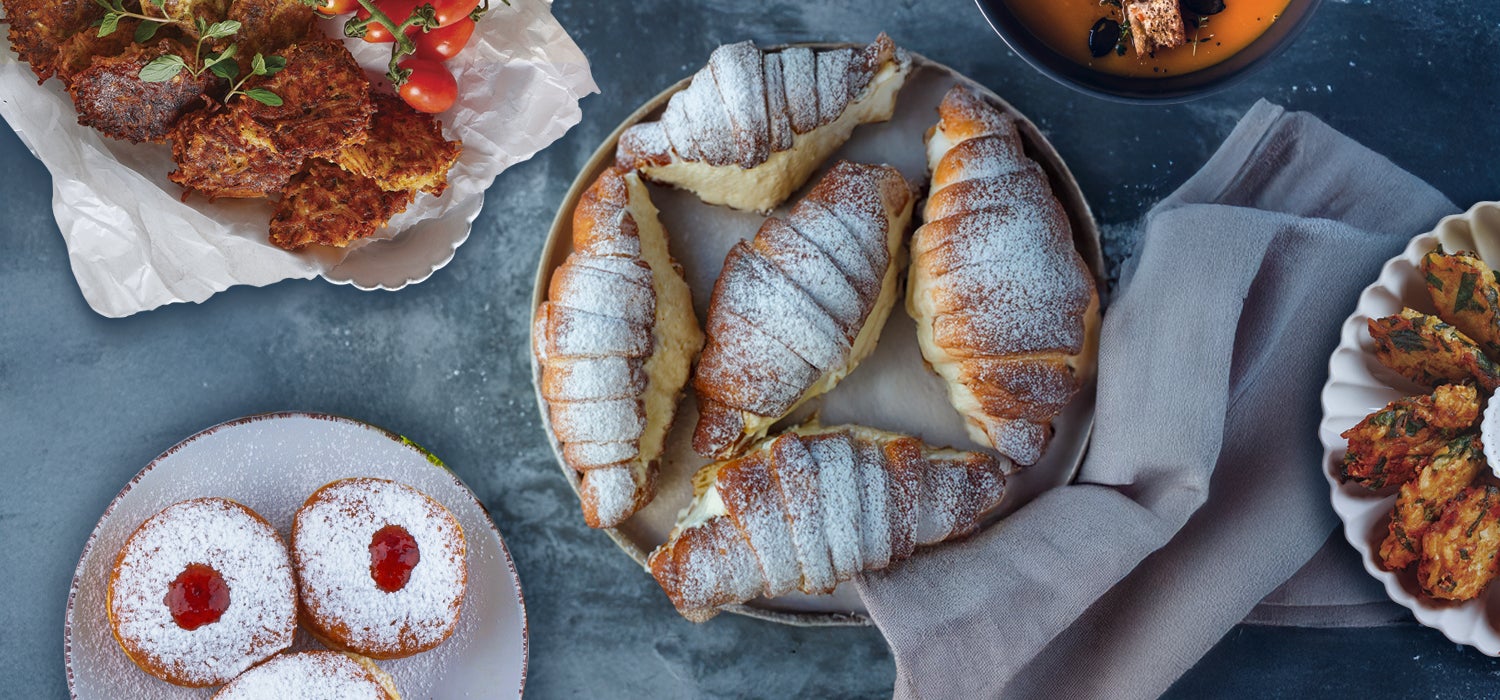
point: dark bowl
(1178, 88)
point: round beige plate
(892, 389)
(1359, 385)
(272, 463)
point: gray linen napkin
(1202, 492)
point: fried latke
(184, 13)
(1428, 351)
(1461, 551)
(1422, 499)
(406, 149)
(268, 26)
(325, 101)
(39, 27)
(1466, 294)
(327, 205)
(76, 53)
(1390, 445)
(111, 97)
(225, 153)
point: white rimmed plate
(892, 389)
(1359, 385)
(271, 463)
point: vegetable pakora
(1422, 499)
(1467, 295)
(406, 149)
(1390, 445)
(1461, 551)
(327, 205)
(1428, 351)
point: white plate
(892, 389)
(1359, 385)
(272, 463)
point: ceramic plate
(892, 389)
(272, 463)
(1359, 385)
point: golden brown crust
(326, 103)
(111, 97)
(39, 27)
(268, 26)
(224, 153)
(1389, 446)
(1007, 310)
(1428, 351)
(1461, 551)
(1466, 294)
(1422, 499)
(327, 205)
(405, 150)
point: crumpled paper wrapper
(134, 244)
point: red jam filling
(197, 597)
(393, 554)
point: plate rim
(1086, 238)
(1348, 341)
(398, 438)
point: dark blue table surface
(85, 402)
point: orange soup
(1064, 26)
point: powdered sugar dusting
(814, 507)
(799, 72)
(309, 675)
(252, 560)
(755, 290)
(331, 538)
(739, 72)
(833, 83)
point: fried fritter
(111, 97)
(325, 101)
(77, 52)
(406, 149)
(1390, 445)
(1429, 352)
(39, 27)
(1461, 551)
(1421, 501)
(225, 153)
(184, 13)
(1467, 295)
(268, 26)
(327, 205)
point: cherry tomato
(444, 43)
(337, 7)
(431, 88)
(449, 12)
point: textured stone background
(85, 402)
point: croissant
(753, 125)
(814, 507)
(614, 343)
(796, 310)
(1007, 312)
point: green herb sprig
(220, 63)
(114, 11)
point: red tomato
(431, 88)
(444, 43)
(448, 12)
(397, 10)
(337, 7)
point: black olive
(1203, 8)
(1103, 37)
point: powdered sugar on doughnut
(245, 551)
(324, 675)
(331, 538)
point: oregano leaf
(228, 70)
(163, 68)
(220, 30)
(145, 31)
(258, 64)
(109, 24)
(264, 96)
(274, 65)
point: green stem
(424, 17)
(133, 15)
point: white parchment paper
(134, 244)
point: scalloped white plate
(271, 463)
(1359, 385)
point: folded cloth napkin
(1202, 491)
